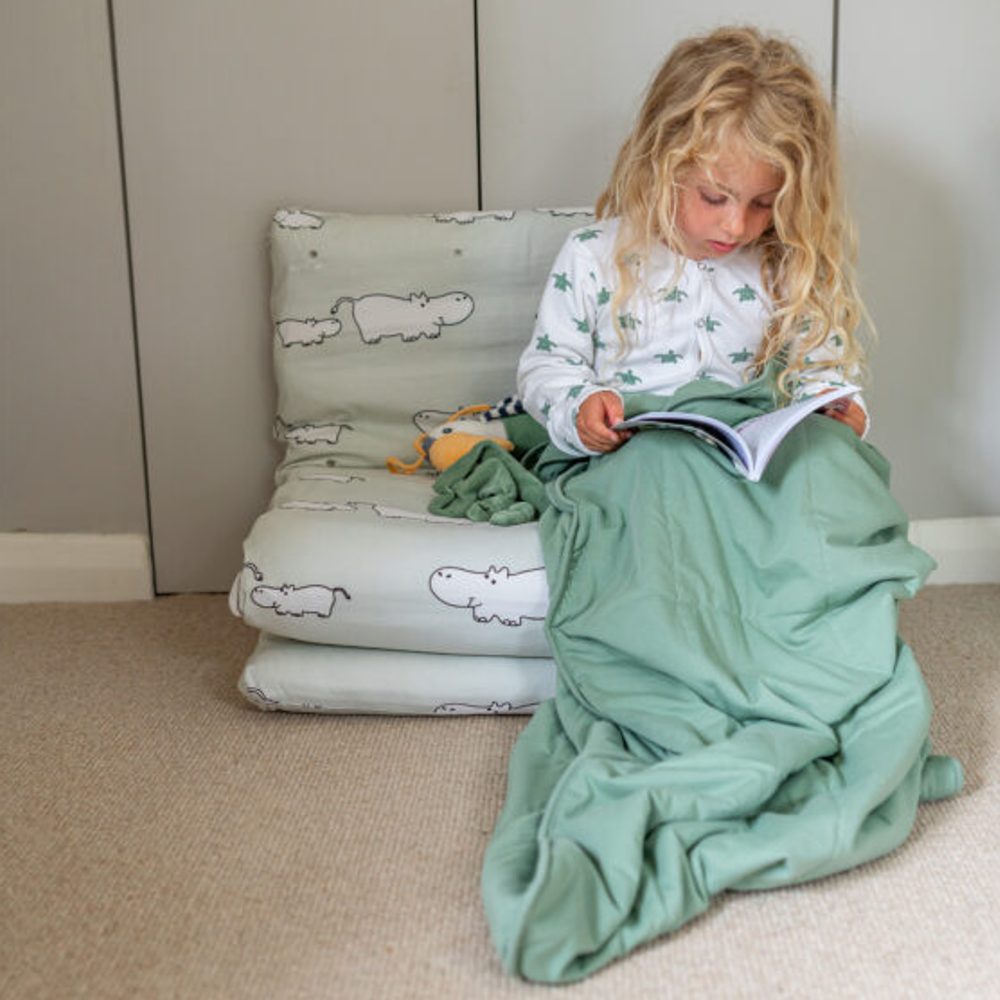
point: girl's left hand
(847, 412)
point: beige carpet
(161, 838)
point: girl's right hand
(598, 413)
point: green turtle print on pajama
(586, 334)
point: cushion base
(289, 676)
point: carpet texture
(159, 837)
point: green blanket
(489, 484)
(734, 709)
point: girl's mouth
(722, 247)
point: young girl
(721, 245)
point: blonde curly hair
(737, 88)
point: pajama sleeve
(556, 371)
(829, 374)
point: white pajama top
(706, 323)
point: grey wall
(919, 100)
(561, 81)
(231, 108)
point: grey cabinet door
(70, 441)
(231, 110)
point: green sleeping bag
(734, 709)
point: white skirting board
(75, 567)
(37, 567)
(967, 549)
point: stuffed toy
(444, 443)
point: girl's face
(727, 206)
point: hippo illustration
(383, 510)
(311, 433)
(493, 708)
(420, 315)
(332, 477)
(427, 420)
(305, 332)
(292, 218)
(399, 514)
(497, 594)
(237, 593)
(314, 505)
(565, 213)
(465, 218)
(259, 698)
(298, 601)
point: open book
(749, 444)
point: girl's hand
(594, 421)
(847, 412)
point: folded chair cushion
(386, 323)
(383, 326)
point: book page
(763, 434)
(708, 429)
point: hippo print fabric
(376, 317)
(381, 327)
(290, 676)
(352, 558)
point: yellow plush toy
(445, 443)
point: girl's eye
(713, 199)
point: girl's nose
(735, 223)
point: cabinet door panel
(231, 110)
(70, 440)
